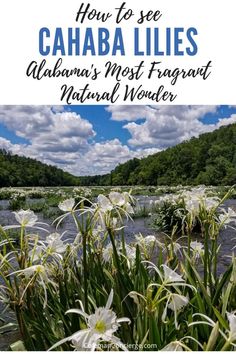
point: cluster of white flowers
(227, 216)
(196, 200)
(130, 252)
(170, 198)
(147, 245)
(146, 241)
(83, 192)
(197, 197)
(114, 200)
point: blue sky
(94, 139)
(105, 128)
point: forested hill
(19, 171)
(209, 159)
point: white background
(20, 22)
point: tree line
(209, 159)
(20, 171)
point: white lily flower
(117, 198)
(196, 246)
(36, 253)
(130, 252)
(36, 270)
(129, 208)
(170, 276)
(232, 326)
(177, 247)
(32, 270)
(227, 217)
(145, 241)
(173, 347)
(55, 243)
(177, 302)
(26, 217)
(147, 245)
(192, 205)
(67, 205)
(104, 203)
(107, 253)
(150, 240)
(100, 327)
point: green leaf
(222, 283)
(221, 320)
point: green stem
(80, 227)
(85, 272)
(22, 237)
(20, 321)
(116, 257)
(206, 257)
(214, 257)
(188, 266)
(22, 246)
(226, 346)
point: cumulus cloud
(46, 128)
(67, 140)
(104, 157)
(226, 121)
(52, 135)
(128, 113)
(163, 126)
(8, 146)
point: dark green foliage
(19, 171)
(209, 159)
(97, 180)
(169, 215)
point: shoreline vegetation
(99, 292)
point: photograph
(117, 228)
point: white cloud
(163, 125)
(128, 113)
(47, 129)
(8, 146)
(65, 139)
(227, 121)
(52, 136)
(104, 157)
